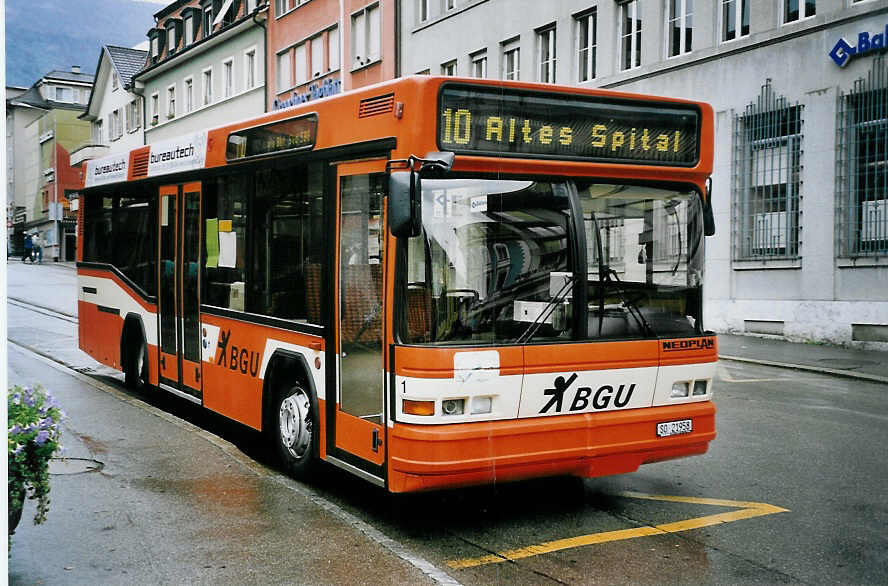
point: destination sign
(504, 121)
(288, 135)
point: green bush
(33, 435)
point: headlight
(680, 389)
(453, 406)
(482, 405)
(700, 387)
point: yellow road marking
(745, 510)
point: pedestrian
(37, 243)
(29, 248)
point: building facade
(45, 130)
(319, 48)
(114, 110)
(205, 67)
(800, 91)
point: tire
(136, 369)
(294, 427)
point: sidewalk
(823, 358)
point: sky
(43, 35)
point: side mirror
(708, 216)
(405, 210)
(405, 191)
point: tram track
(42, 309)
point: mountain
(42, 35)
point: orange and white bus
(430, 282)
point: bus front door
(179, 290)
(357, 419)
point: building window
(587, 44)
(449, 68)
(630, 34)
(317, 56)
(423, 10)
(300, 64)
(115, 81)
(189, 93)
(155, 46)
(766, 173)
(735, 19)
(794, 10)
(546, 53)
(134, 115)
(117, 123)
(63, 94)
(228, 77)
(284, 81)
(449, 4)
(189, 30)
(97, 132)
(155, 107)
(862, 169)
(171, 101)
(207, 79)
(365, 36)
(171, 39)
(333, 49)
(250, 69)
(680, 26)
(511, 60)
(479, 64)
(207, 24)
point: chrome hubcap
(295, 423)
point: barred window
(862, 166)
(766, 170)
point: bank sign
(316, 91)
(867, 42)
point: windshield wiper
(559, 297)
(631, 306)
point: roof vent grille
(139, 163)
(376, 106)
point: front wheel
(136, 370)
(295, 430)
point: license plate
(675, 427)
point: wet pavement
(151, 499)
(158, 491)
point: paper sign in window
(212, 233)
(227, 249)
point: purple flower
(41, 438)
(15, 429)
(18, 449)
(29, 400)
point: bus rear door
(179, 290)
(356, 421)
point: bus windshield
(509, 262)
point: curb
(832, 371)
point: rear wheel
(295, 430)
(136, 369)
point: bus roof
(553, 130)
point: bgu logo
(240, 359)
(600, 400)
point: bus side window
(225, 211)
(288, 243)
